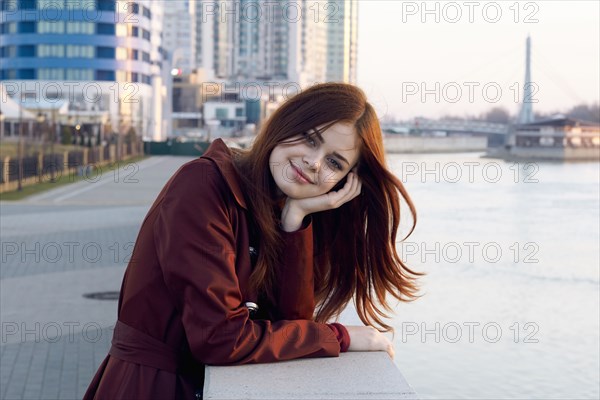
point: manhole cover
(102, 295)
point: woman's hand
(295, 210)
(367, 338)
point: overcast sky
(399, 55)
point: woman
(241, 246)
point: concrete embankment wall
(353, 375)
(557, 153)
(426, 144)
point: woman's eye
(336, 164)
(310, 140)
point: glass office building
(102, 57)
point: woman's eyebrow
(335, 153)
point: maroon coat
(183, 293)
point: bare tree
(497, 115)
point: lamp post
(173, 71)
(70, 121)
(1, 125)
(53, 128)
(139, 134)
(93, 135)
(119, 138)
(20, 176)
(40, 119)
(78, 134)
(53, 131)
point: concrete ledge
(354, 375)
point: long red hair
(355, 244)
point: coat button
(252, 307)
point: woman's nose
(312, 163)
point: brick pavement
(55, 247)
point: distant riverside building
(103, 58)
(256, 40)
(342, 39)
(179, 34)
(258, 51)
(559, 138)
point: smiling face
(313, 165)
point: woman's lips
(301, 177)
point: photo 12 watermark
(469, 332)
(471, 252)
(468, 91)
(67, 252)
(73, 91)
(50, 332)
(469, 172)
(271, 11)
(453, 12)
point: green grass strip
(63, 179)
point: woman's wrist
(342, 335)
(291, 218)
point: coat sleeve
(296, 295)
(195, 246)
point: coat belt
(132, 345)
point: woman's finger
(354, 188)
(349, 193)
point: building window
(9, 51)
(105, 75)
(133, 8)
(221, 113)
(121, 29)
(51, 27)
(105, 29)
(8, 5)
(105, 52)
(239, 112)
(48, 4)
(135, 31)
(121, 53)
(80, 51)
(26, 4)
(121, 76)
(76, 74)
(51, 74)
(134, 54)
(50, 50)
(145, 56)
(27, 27)
(27, 73)
(9, 27)
(10, 74)
(146, 34)
(106, 5)
(87, 4)
(27, 51)
(86, 28)
(147, 12)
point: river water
(510, 305)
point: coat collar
(220, 153)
